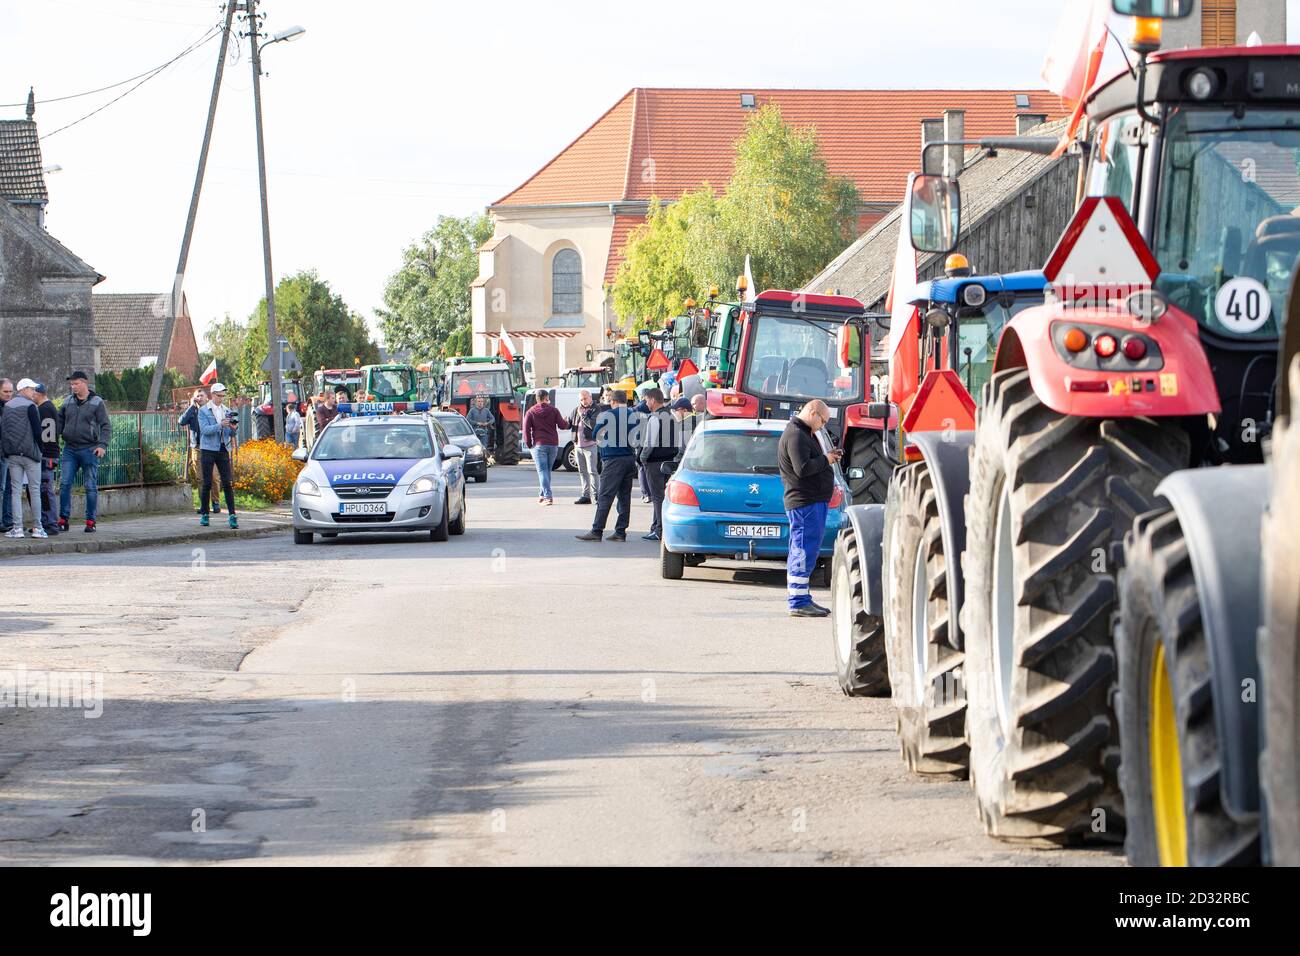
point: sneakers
(617, 536)
(38, 533)
(15, 533)
(203, 520)
(90, 526)
(234, 522)
(810, 610)
(63, 524)
(652, 536)
(589, 536)
(584, 500)
(645, 499)
(548, 502)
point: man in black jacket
(808, 474)
(658, 445)
(49, 458)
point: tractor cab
(485, 383)
(592, 377)
(331, 379)
(388, 383)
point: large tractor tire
(1279, 644)
(868, 453)
(1171, 768)
(1050, 499)
(507, 450)
(924, 670)
(263, 426)
(858, 636)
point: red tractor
(789, 353)
(1006, 555)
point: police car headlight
(308, 487)
(421, 486)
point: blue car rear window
(733, 452)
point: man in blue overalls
(808, 474)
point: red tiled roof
(665, 141)
(623, 226)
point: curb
(96, 546)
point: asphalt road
(513, 696)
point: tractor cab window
(979, 330)
(390, 383)
(796, 359)
(467, 385)
(1114, 167)
(1228, 221)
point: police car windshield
(728, 452)
(350, 440)
(455, 425)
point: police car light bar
(381, 408)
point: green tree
(320, 327)
(226, 339)
(781, 207)
(427, 301)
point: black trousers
(616, 477)
(221, 461)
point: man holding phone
(808, 475)
(217, 426)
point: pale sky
(389, 113)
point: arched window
(1218, 23)
(566, 282)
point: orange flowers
(265, 469)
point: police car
(380, 467)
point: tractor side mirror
(852, 345)
(932, 212)
(1155, 9)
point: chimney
(954, 127)
(932, 132)
(1027, 121)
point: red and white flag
(1074, 58)
(505, 348)
(904, 337)
(209, 374)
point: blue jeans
(807, 526)
(544, 460)
(85, 461)
(7, 509)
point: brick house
(129, 326)
(46, 325)
(559, 236)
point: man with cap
(7, 518)
(86, 430)
(216, 434)
(49, 458)
(20, 431)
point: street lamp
(272, 336)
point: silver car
(381, 473)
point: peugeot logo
(753, 489)
(363, 492)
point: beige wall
(514, 284)
(1265, 17)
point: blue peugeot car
(724, 502)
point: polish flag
(505, 348)
(904, 337)
(209, 374)
(1074, 58)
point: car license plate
(752, 531)
(363, 508)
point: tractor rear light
(1076, 340)
(733, 398)
(1105, 345)
(1135, 348)
(837, 498)
(912, 453)
(680, 493)
(1088, 386)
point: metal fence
(147, 448)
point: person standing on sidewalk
(583, 424)
(658, 445)
(20, 442)
(6, 509)
(808, 475)
(216, 432)
(190, 420)
(86, 430)
(292, 425)
(542, 427)
(49, 458)
(614, 427)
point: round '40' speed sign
(1243, 305)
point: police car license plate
(752, 531)
(363, 508)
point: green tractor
(392, 382)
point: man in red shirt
(542, 426)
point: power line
(215, 31)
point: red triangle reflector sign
(1102, 258)
(657, 362)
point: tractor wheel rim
(1004, 613)
(842, 602)
(920, 623)
(1169, 816)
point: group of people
(212, 429)
(614, 444)
(35, 437)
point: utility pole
(174, 306)
(272, 337)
